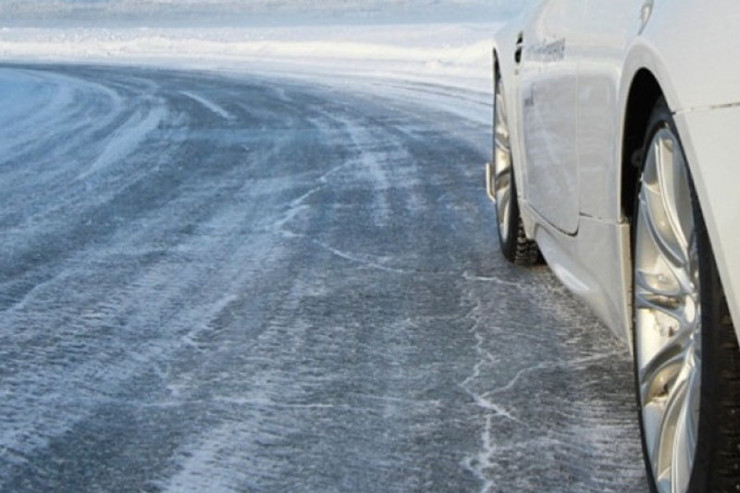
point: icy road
(232, 283)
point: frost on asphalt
(238, 284)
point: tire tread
(527, 253)
(726, 463)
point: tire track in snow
(218, 110)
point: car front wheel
(515, 245)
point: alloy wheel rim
(667, 314)
(502, 162)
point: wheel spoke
(663, 237)
(661, 372)
(685, 436)
(667, 199)
(503, 196)
(674, 187)
(501, 130)
(672, 306)
(502, 150)
(657, 284)
(670, 270)
(664, 448)
(502, 177)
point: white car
(617, 159)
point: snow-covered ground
(447, 43)
(454, 54)
(249, 12)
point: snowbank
(445, 43)
(456, 55)
(235, 13)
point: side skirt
(595, 265)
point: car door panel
(549, 112)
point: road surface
(241, 283)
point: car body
(578, 81)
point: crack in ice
(551, 366)
(358, 260)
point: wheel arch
(495, 59)
(644, 92)
(645, 88)
(495, 70)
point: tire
(687, 361)
(515, 245)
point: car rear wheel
(687, 362)
(515, 245)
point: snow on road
(304, 296)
